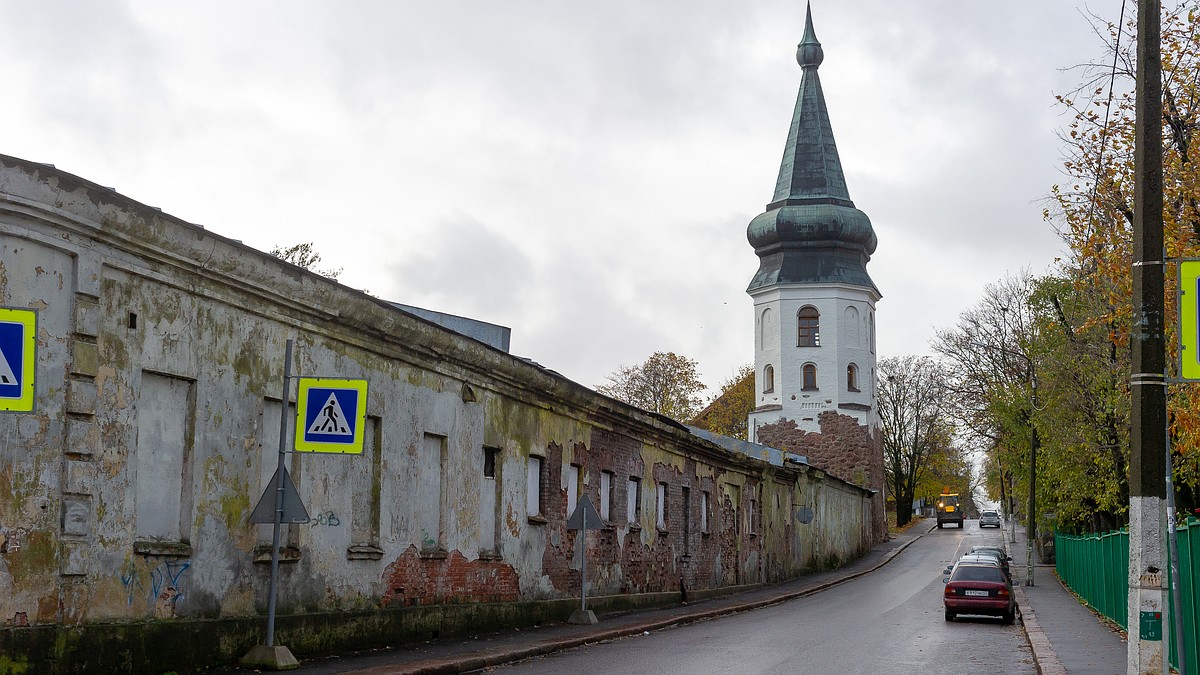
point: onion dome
(811, 233)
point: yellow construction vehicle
(949, 510)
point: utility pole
(1148, 387)
(1031, 531)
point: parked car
(989, 519)
(980, 589)
(994, 551)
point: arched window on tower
(809, 377)
(768, 379)
(852, 377)
(810, 327)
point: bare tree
(990, 362)
(916, 428)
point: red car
(979, 589)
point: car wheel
(939, 526)
(961, 524)
(949, 615)
(1009, 617)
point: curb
(478, 662)
(1043, 652)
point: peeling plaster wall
(126, 494)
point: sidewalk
(1065, 636)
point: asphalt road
(889, 621)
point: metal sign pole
(283, 415)
(579, 520)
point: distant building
(814, 303)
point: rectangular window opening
(489, 463)
(533, 487)
(606, 495)
(687, 519)
(573, 474)
(661, 506)
(633, 500)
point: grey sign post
(585, 518)
(282, 495)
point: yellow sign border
(1189, 319)
(355, 447)
(28, 319)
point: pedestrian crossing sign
(1189, 320)
(331, 415)
(18, 353)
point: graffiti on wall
(326, 519)
(161, 585)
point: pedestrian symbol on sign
(331, 419)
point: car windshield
(985, 551)
(949, 500)
(977, 573)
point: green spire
(811, 233)
(811, 168)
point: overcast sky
(582, 172)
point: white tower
(814, 303)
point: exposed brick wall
(844, 448)
(624, 559)
(414, 579)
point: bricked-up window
(366, 480)
(660, 506)
(768, 379)
(431, 467)
(166, 428)
(533, 487)
(489, 503)
(852, 377)
(753, 517)
(633, 500)
(606, 495)
(704, 512)
(810, 327)
(572, 488)
(808, 377)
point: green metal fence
(1096, 567)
